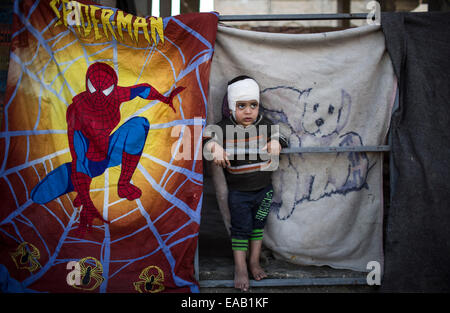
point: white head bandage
(242, 90)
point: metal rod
(319, 281)
(336, 149)
(330, 149)
(291, 17)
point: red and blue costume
(91, 118)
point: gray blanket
(417, 245)
(330, 89)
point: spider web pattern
(15, 223)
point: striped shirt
(249, 168)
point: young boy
(248, 176)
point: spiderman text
(106, 22)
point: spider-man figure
(91, 117)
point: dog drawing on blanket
(310, 119)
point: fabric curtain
(102, 125)
(417, 235)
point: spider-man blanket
(100, 149)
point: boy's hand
(220, 156)
(273, 147)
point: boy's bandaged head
(242, 90)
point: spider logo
(152, 280)
(26, 257)
(91, 271)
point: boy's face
(246, 112)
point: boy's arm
(273, 147)
(213, 140)
(278, 136)
(281, 139)
(275, 139)
(219, 155)
(273, 133)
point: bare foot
(257, 271)
(241, 280)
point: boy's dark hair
(238, 78)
